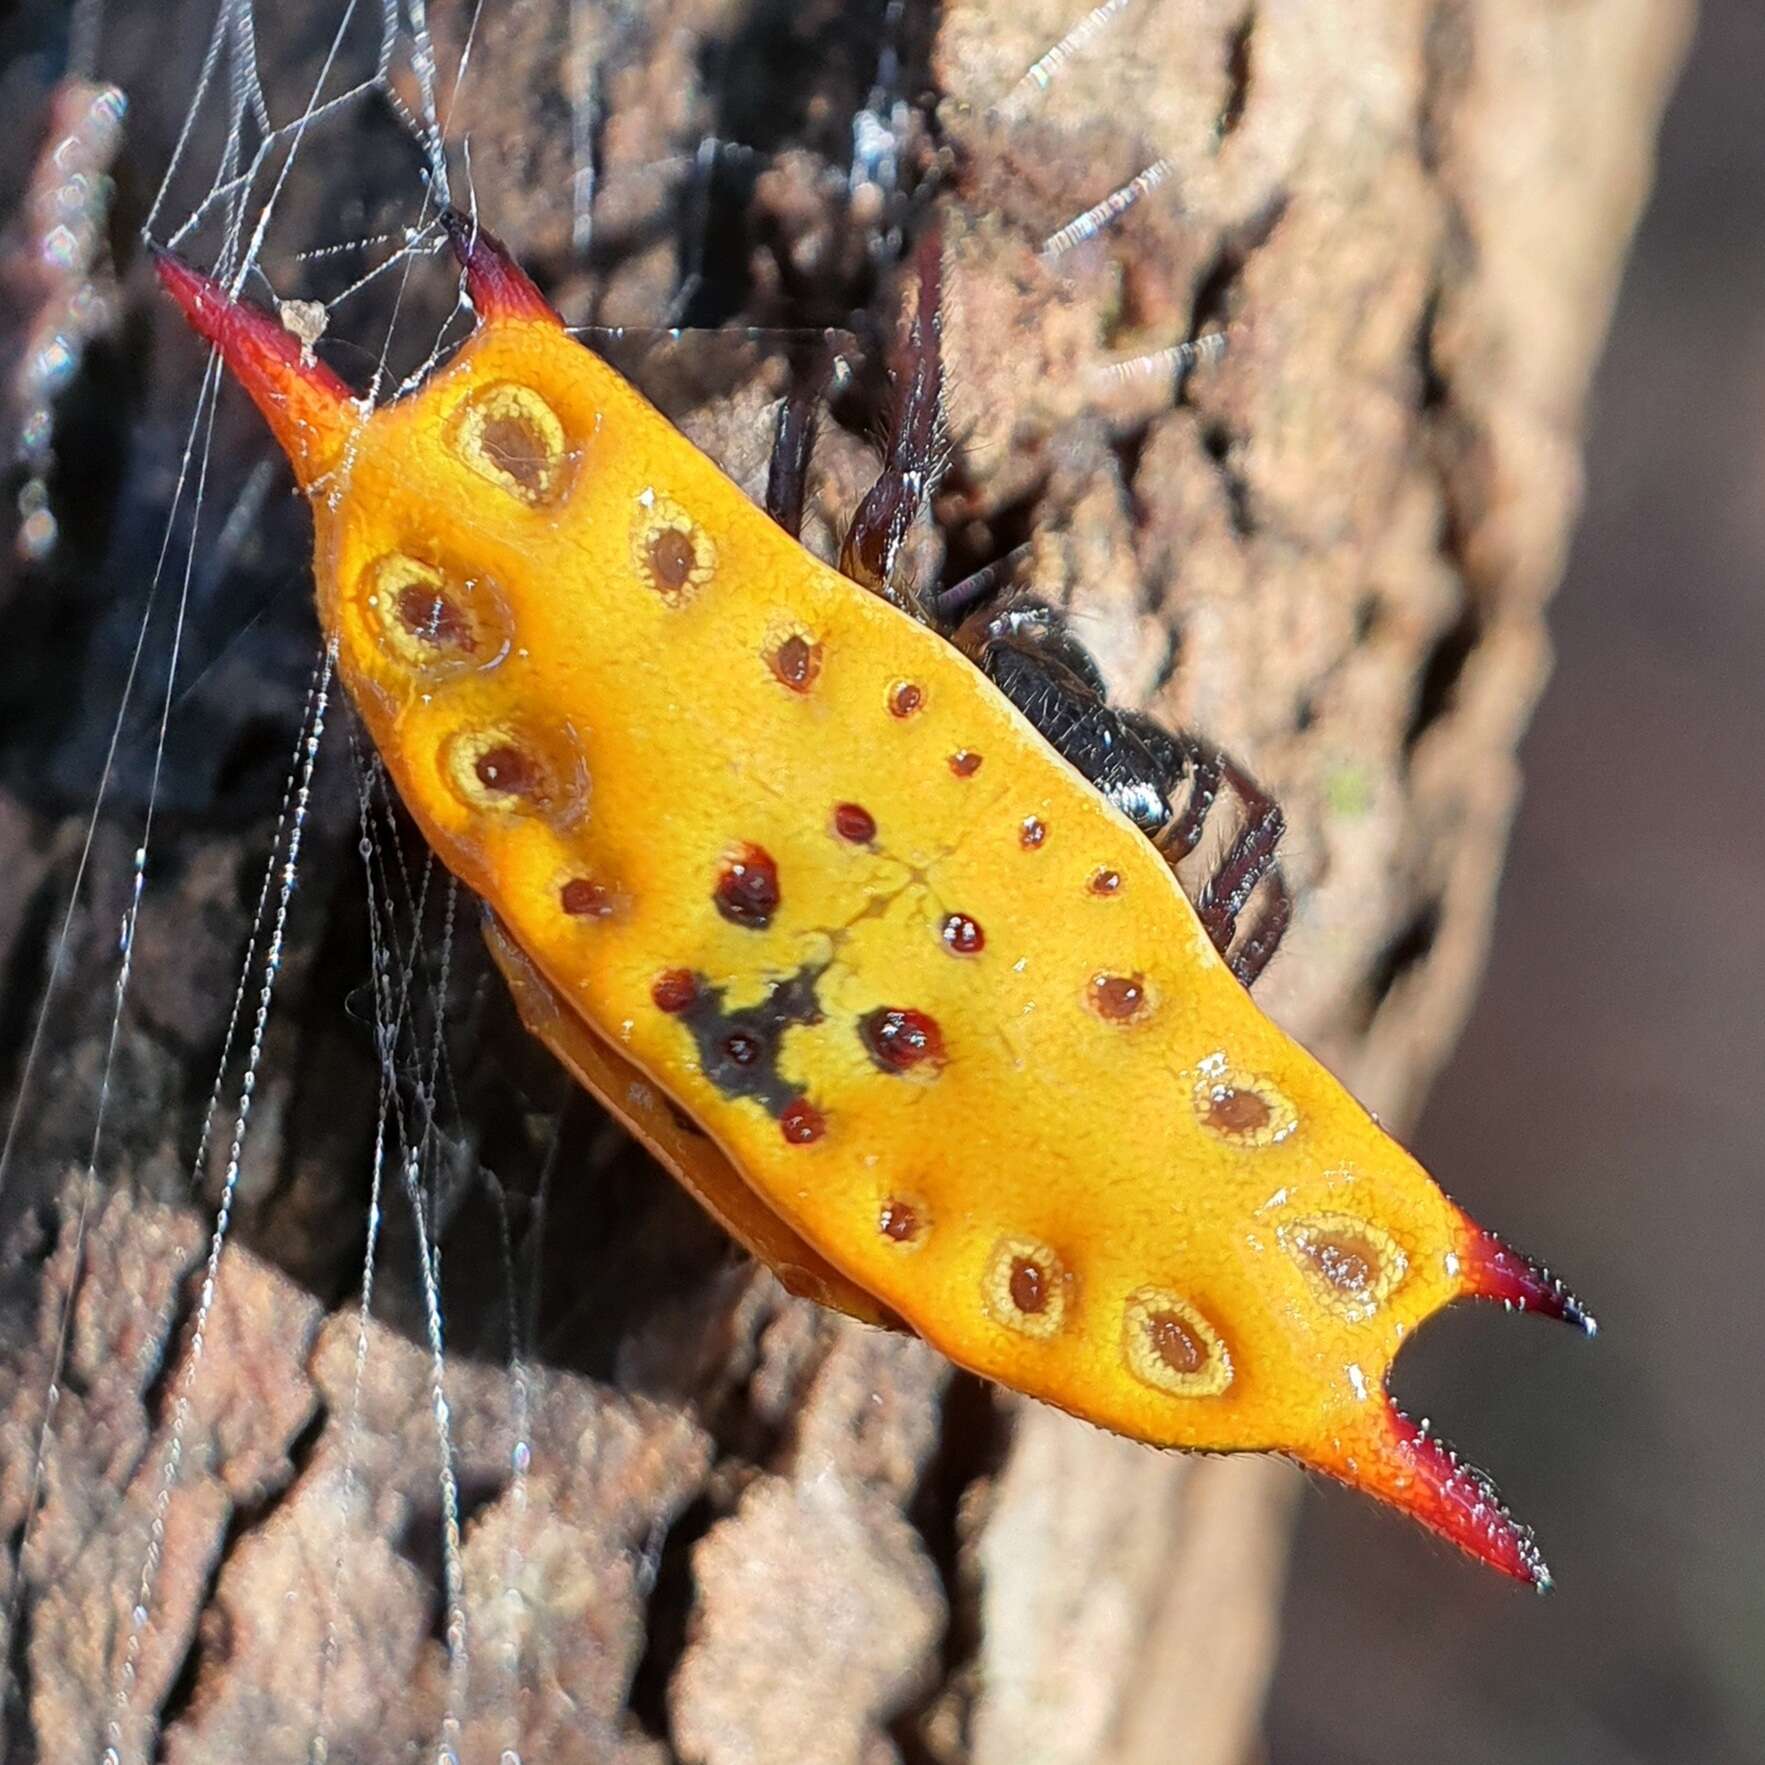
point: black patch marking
(738, 1050)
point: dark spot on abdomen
(747, 889)
(739, 1050)
(898, 1038)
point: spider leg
(1247, 862)
(792, 442)
(948, 607)
(1252, 956)
(1207, 768)
(916, 451)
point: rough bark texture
(742, 1531)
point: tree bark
(740, 1530)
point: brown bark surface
(742, 1531)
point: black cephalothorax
(1027, 650)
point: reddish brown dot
(900, 1039)
(965, 762)
(1232, 1111)
(433, 618)
(747, 889)
(742, 1048)
(1171, 1339)
(509, 770)
(1106, 882)
(1117, 996)
(1028, 1285)
(852, 821)
(905, 698)
(1033, 832)
(674, 991)
(671, 559)
(1349, 1264)
(516, 445)
(802, 1123)
(962, 936)
(584, 898)
(899, 1221)
(796, 662)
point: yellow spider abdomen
(763, 848)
